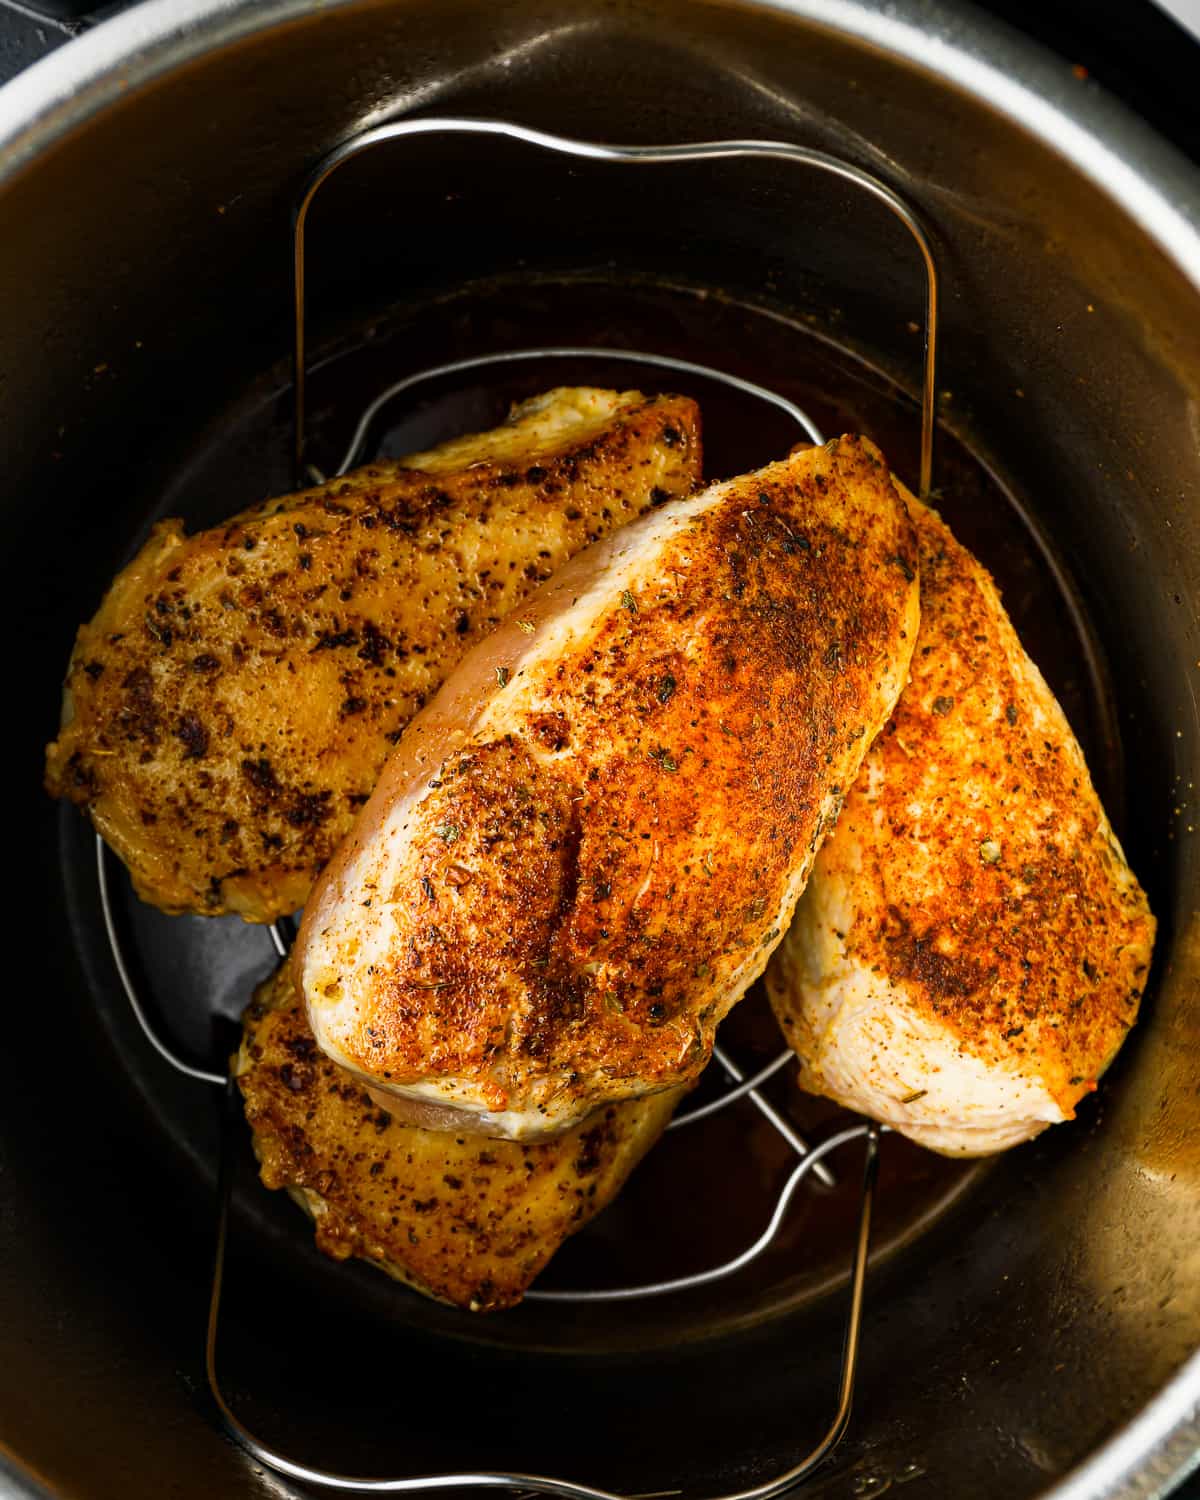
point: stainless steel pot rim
(1148, 1456)
(1147, 178)
(1143, 176)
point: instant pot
(1032, 1325)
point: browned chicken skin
(461, 1219)
(229, 708)
(972, 947)
(585, 849)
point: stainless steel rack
(811, 1161)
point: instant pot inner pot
(1031, 1304)
(707, 1192)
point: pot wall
(144, 287)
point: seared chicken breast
(229, 708)
(585, 848)
(464, 1220)
(971, 949)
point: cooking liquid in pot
(706, 1191)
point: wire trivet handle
(540, 1484)
(696, 151)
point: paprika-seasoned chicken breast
(229, 708)
(972, 947)
(584, 850)
(462, 1219)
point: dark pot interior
(1018, 1313)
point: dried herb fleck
(628, 602)
(666, 689)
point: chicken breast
(972, 947)
(464, 1220)
(228, 710)
(586, 847)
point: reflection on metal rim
(1148, 178)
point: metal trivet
(811, 1160)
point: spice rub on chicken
(972, 946)
(229, 708)
(584, 850)
(461, 1219)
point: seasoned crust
(463, 1220)
(585, 850)
(230, 706)
(972, 947)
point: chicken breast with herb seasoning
(972, 947)
(461, 1219)
(586, 847)
(229, 708)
